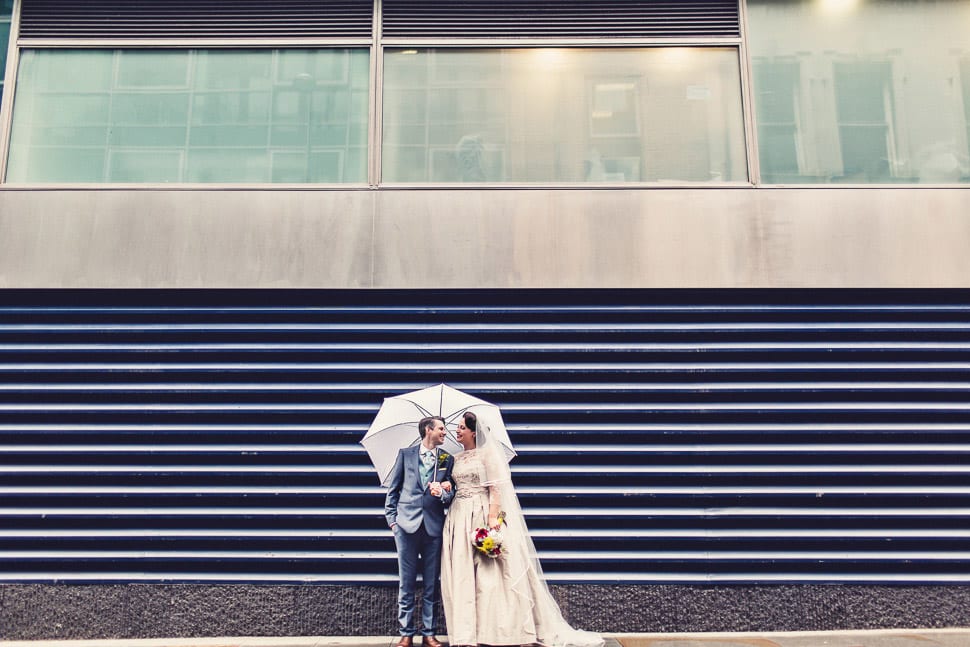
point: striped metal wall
(179, 19)
(734, 436)
(560, 19)
(92, 19)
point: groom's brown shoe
(405, 641)
(430, 641)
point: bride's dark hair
(471, 420)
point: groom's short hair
(427, 423)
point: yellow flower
(488, 544)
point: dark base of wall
(40, 611)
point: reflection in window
(6, 8)
(563, 115)
(860, 92)
(965, 86)
(777, 84)
(295, 116)
(864, 103)
(614, 107)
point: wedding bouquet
(488, 541)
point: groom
(419, 492)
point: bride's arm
(495, 480)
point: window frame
(730, 43)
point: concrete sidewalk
(875, 638)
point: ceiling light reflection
(839, 7)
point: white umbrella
(396, 424)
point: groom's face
(436, 433)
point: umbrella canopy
(396, 424)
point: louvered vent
(196, 19)
(662, 436)
(559, 19)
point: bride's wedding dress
(502, 600)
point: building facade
(714, 251)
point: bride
(495, 600)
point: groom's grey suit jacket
(408, 503)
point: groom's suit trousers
(417, 552)
(418, 519)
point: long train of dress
(503, 600)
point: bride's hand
(493, 521)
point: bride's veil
(522, 569)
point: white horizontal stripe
(746, 426)
(632, 449)
(559, 406)
(150, 428)
(640, 577)
(227, 406)
(148, 533)
(646, 577)
(626, 556)
(577, 470)
(188, 576)
(612, 387)
(798, 533)
(189, 489)
(740, 406)
(510, 346)
(228, 387)
(479, 367)
(373, 512)
(591, 535)
(376, 490)
(431, 327)
(195, 554)
(866, 555)
(740, 448)
(919, 510)
(444, 308)
(194, 511)
(751, 533)
(738, 469)
(194, 469)
(184, 448)
(816, 490)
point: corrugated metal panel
(196, 19)
(560, 19)
(740, 436)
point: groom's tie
(427, 464)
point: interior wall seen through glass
(665, 114)
(861, 91)
(220, 116)
(6, 8)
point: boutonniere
(442, 459)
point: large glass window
(665, 114)
(6, 8)
(252, 116)
(861, 91)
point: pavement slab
(876, 638)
